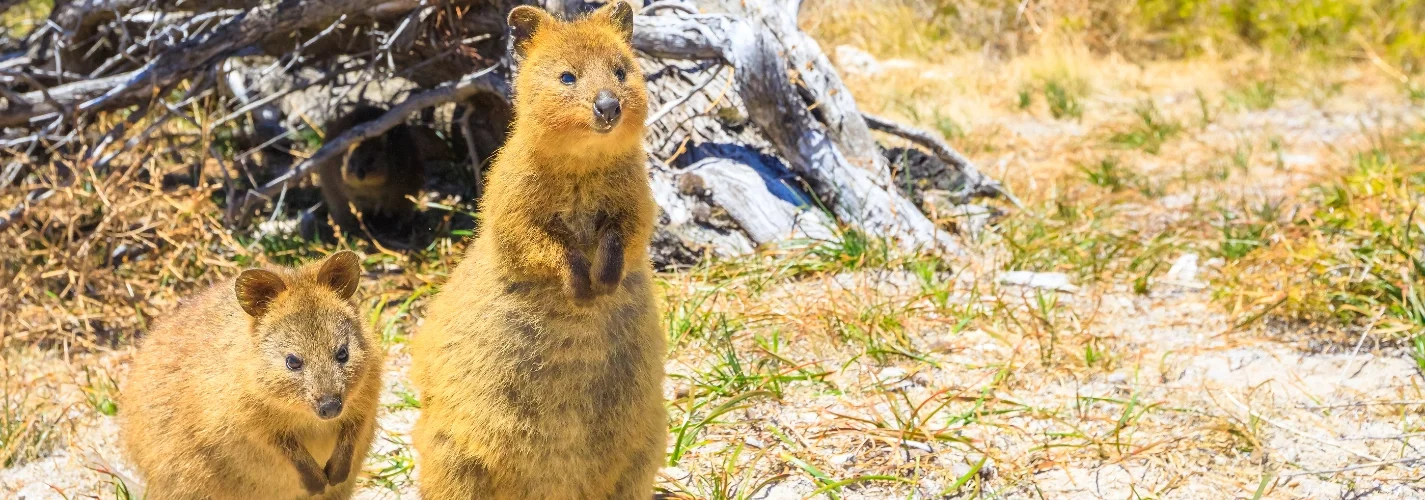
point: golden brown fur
(540, 365)
(374, 182)
(213, 411)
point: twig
(1355, 467)
(31, 199)
(249, 104)
(1377, 60)
(1365, 332)
(1296, 432)
(667, 108)
(42, 90)
(97, 463)
(459, 90)
(977, 183)
(149, 131)
(1361, 404)
(39, 105)
(182, 59)
(1385, 438)
(668, 4)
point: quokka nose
(606, 106)
(329, 407)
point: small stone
(277, 227)
(929, 488)
(1118, 378)
(1185, 269)
(754, 442)
(894, 379)
(843, 459)
(891, 374)
(1049, 281)
(387, 268)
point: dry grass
(847, 370)
(1324, 30)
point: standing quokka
(262, 387)
(540, 365)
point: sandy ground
(1312, 411)
(1185, 406)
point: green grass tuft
(1256, 96)
(1149, 132)
(1108, 174)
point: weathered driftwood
(762, 215)
(820, 139)
(729, 169)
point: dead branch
(783, 97)
(819, 139)
(976, 184)
(30, 200)
(465, 88)
(36, 106)
(182, 59)
(712, 75)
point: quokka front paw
(313, 481)
(577, 283)
(609, 271)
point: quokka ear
(524, 21)
(341, 272)
(256, 288)
(621, 16)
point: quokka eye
(567, 78)
(342, 354)
(619, 73)
(294, 363)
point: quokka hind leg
(445, 472)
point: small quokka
(540, 364)
(372, 184)
(264, 386)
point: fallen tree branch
(976, 183)
(850, 178)
(667, 108)
(179, 61)
(243, 30)
(16, 213)
(668, 4)
(50, 103)
(38, 106)
(463, 89)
